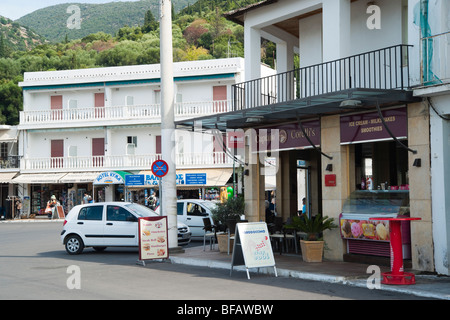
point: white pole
(169, 196)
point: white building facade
(78, 124)
(360, 64)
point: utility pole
(168, 191)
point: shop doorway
(303, 188)
(309, 184)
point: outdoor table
(397, 275)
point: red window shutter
(56, 102)
(57, 152)
(99, 99)
(98, 151)
(56, 105)
(158, 145)
(220, 98)
(98, 146)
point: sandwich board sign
(252, 247)
(153, 239)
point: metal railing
(137, 162)
(151, 112)
(386, 68)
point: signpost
(252, 247)
(160, 168)
(153, 238)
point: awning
(6, 177)
(79, 177)
(39, 178)
(193, 178)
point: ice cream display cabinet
(371, 237)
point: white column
(168, 195)
(252, 45)
(336, 29)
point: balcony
(9, 162)
(124, 162)
(142, 113)
(384, 69)
(359, 82)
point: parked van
(192, 212)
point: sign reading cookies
(153, 238)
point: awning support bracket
(309, 140)
(390, 132)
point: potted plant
(225, 216)
(312, 228)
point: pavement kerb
(350, 281)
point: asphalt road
(34, 265)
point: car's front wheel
(74, 244)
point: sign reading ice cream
(153, 238)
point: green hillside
(14, 36)
(52, 22)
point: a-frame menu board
(252, 247)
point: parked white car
(191, 212)
(108, 224)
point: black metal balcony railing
(385, 69)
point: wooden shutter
(99, 104)
(57, 153)
(158, 145)
(220, 98)
(56, 105)
(98, 151)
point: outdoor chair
(210, 232)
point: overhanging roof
(305, 108)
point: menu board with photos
(153, 238)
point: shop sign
(181, 179)
(153, 239)
(195, 178)
(134, 180)
(330, 180)
(289, 136)
(368, 127)
(109, 177)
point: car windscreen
(140, 210)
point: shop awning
(79, 177)
(6, 177)
(39, 178)
(304, 108)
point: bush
(232, 209)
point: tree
(150, 23)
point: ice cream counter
(371, 237)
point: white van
(192, 212)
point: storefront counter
(367, 236)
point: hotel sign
(366, 127)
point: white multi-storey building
(79, 124)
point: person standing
(51, 206)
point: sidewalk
(291, 265)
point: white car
(108, 224)
(192, 212)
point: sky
(14, 9)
